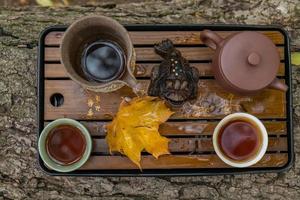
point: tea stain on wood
(208, 105)
(143, 70)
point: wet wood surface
(216, 104)
(190, 129)
(143, 70)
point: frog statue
(174, 80)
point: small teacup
(240, 140)
(61, 163)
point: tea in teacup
(240, 140)
(65, 144)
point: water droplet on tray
(140, 70)
(192, 128)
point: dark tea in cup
(65, 144)
(240, 139)
(103, 61)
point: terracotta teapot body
(244, 63)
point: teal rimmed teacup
(43, 151)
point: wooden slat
(191, 145)
(175, 162)
(178, 37)
(187, 128)
(55, 71)
(143, 70)
(267, 104)
(148, 54)
(206, 128)
(175, 145)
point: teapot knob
(253, 59)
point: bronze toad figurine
(174, 80)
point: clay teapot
(245, 62)
(82, 36)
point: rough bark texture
(20, 176)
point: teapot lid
(249, 60)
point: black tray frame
(173, 172)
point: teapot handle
(211, 39)
(278, 85)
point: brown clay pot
(244, 63)
(86, 31)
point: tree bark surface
(20, 176)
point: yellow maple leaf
(45, 3)
(295, 58)
(51, 3)
(135, 128)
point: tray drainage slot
(57, 99)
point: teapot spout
(278, 85)
(131, 82)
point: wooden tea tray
(191, 148)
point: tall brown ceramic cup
(83, 33)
